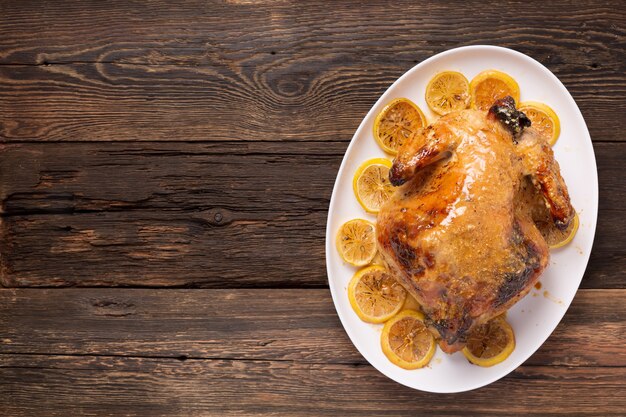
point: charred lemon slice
(556, 238)
(356, 242)
(490, 343)
(448, 91)
(543, 119)
(371, 184)
(375, 295)
(491, 85)
(398, 121)
(406, 341)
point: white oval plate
(537, 315)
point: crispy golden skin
(457, 232)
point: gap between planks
(288, 326)
(185, 358)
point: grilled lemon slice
(371, 184)
(448, 91)
(490, 343)
(398, 121)
(492, 85)
(543, 119)
(375, 295)
(356, 242)
(406, 341)
(556, 238)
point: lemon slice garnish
(543, 119)
(406, 341)
(490, 343)
(556, 238)
(375, 295)
(447, 91)
(492, 85)
(398, 121)
(356, 242)
(371, 184)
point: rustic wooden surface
(174, 161)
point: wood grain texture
(278, 325)
(230, 214)
(202, 215)
(140, 386)
(205, 71)
(229, 122)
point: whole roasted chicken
(458, 232)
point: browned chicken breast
(458, 232)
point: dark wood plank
(160, 248)
(220, 212)
(47, 178)
(234, 31)
(61, 386)
(83, 177)
(173, 249)
(141, 71)
(297, 325)
(206, 215)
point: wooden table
(166, 169)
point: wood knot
(216, 217)
(289, 88)
(288, 84)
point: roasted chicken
(458, 231)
